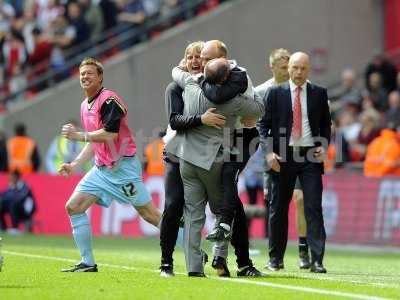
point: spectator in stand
(152, 7)
(165, 8)
(154, 165)
(338, 152)
(14, 53)
(367, 102)
(62, 36)
(347, 92)
(77, 20)
(131, 13)
(47, 13)
(62, 32)
(168, 6)
(23, 154)
(349, 126)
(385, 68)
(93, 17)
(21, 25)
(109, 10)
(3, 152)
(7, 12)
(130, 17)
(15, 57)
(393, 113)
(383, 154)
(377, 92)
(370, 127)
(18, 6)
(62, 151)
(39, 59)
(18, 202)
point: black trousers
(281, 191)
(173, 211)
(244, 139)
(232, 211)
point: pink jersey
(106, 154)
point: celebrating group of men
(212, 110)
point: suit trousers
(173, 211)
(280, 195)
(200, 186)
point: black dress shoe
(196, 274)
(304, 260)
(81, 267)
(274, 265)
(317, 267)
(250, 271)
(220, 265)
(219, 234)
(167, 270)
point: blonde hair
(222, 49)
(94, 62)
(278, 54)
(197, 46)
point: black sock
(303, 246)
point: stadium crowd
(41, 35)
(364, 116)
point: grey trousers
(199, 187)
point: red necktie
(297, 117)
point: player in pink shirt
(117, 173)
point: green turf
(352, 272)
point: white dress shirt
(306, 139)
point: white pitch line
(245, 281)
(339, 278)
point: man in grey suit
(201, 154)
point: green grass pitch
(128, 270)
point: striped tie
(297, 117)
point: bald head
(348, 78)
(217, 71)
(211, 50)
(299, 67)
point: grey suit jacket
(201, 145)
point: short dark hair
(20, 129)
(36, 31)
(218, 75)
(16, 174)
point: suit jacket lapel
(289, 107)
(310, 102)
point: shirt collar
(293, 85)
(90, 99)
